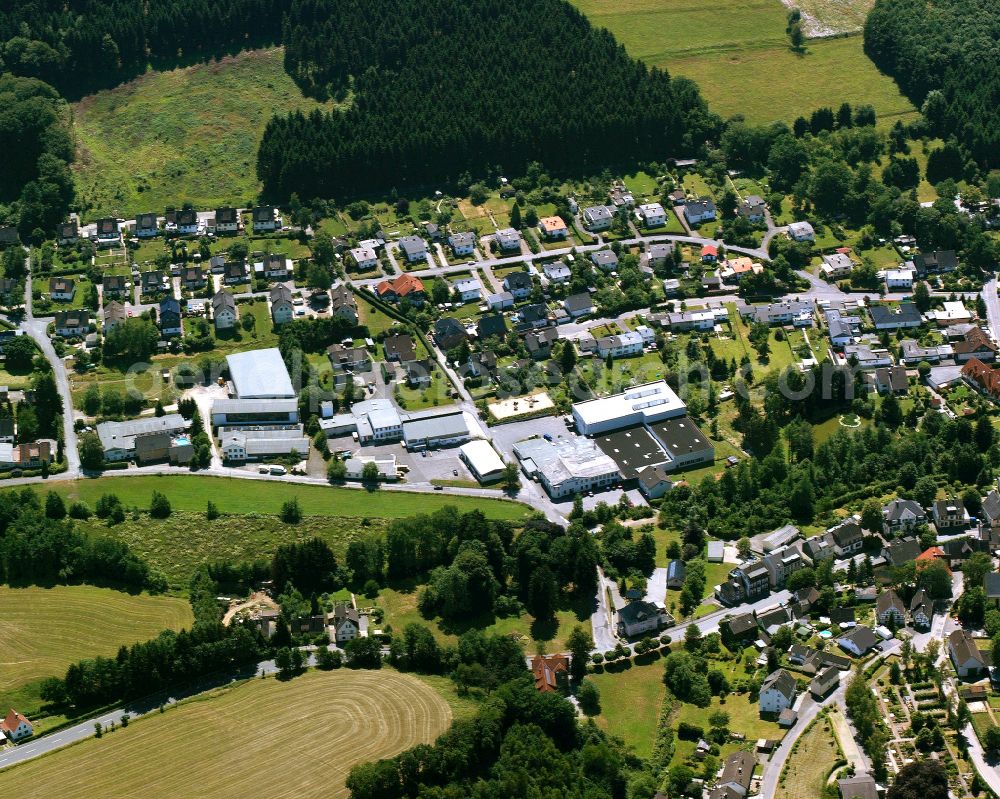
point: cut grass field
(238, 496)
(187, 135)
(809, 764)
(630, 704)
(284, 740)
(738, 54)
(46, 629)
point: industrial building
(431, 432)
(643, 404)
(243, 444)
(482, 460)
(235, 412)
(568, 466)
(259, 374)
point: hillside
(187, 135)
(738, 54)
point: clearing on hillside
(187, 135)
(738, 53)
(283, 740)
(43, 630)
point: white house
(346, 623)
(651, 215)
(701, 210)
(508, 240)
(501, 301)
(224, 312)
(968, 660)
(801, 231)
(15, 726)
(462, 243)
(777, 692)
(553, 227)
(468, 289)
(836, 265)
(282, 308)
(620, 346)
(414, 248)
(557, 272)
(62, 289)
(899, 279)
(265, 218)
(365, 258)
(598, 217)
(638, 618)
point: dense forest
(946, 57)
(444, 89)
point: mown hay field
(43, 630)
(283, 740)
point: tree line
(945, 57)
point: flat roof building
(482, 460)
(645, 404)
(260, 374)
(632, 449)
(429, 432)
(568, 466)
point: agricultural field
(738, 54)
(810, 763)
(187, 135)
(46, 629)
(286, 740)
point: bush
(597, 658)
(291, 512)
(689, 732)
(589, 698)
(159, 506)
(80, 510)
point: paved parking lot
(506, 435)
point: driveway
(656, 586)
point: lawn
(237, 496)
(46, 629)
(734, 50)
(630, 704)
(809, 764)
(284, 740)
(187, 135)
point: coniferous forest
(946, 57)
(443, 88)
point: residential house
(277, 266)
(557, 272)
(403, 287)
(899, 279)
(72, 324)
(114, 315)
(598, 218)
(890, 380)
(28, 455)
(866, 356)
(624, 345)
(659, 254)
(467, 289)
(501, 301)
(966, 656)
(265, 219)
(343, 305)
(709, 254)
(224, 313)
(192, 277)
(735, 269)
(169, 316)
(860, 786)
(518, 284)
(282, 306)
(642, 617)
(508, 240)
(68, 232)
(108, 233)
(462, 243)
(975, 344)
(991, 585)
(744, 584)
(113, 286)
(364, 258)
(842, 328)
(187, 223)
(349, 359)
(10, 291)
(890, 610)
(700, 210)
(227, 220)
(676, 571)
(493, 326)
(553, 227)
(848, 537)
(550, 672)
(735, 777)
(606, 260)
(534, 315)
(399, 347)
(433, 231)
(418, 374)
(935, 263)
(777, 692)
(152, 282)
(146, 226)
(651, 215)
(62, 289)
(753, 208)
(950, 515)
(900, 551)
(982, 377)
(448, 333)
(921, 610)
(786, 312)
(903, 316)
(481, 364)
(622, 197)
(801, 231)
(15, 726)
(782, 563)
(346, 623)
(824, 682)
(859, 641)
(912, 353)
(234, 273)
(902, 515)
(539, 342)
(742, 628)
(217, 264)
